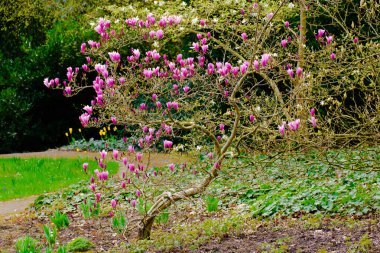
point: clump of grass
(212, 204)
(21, 177)
(79, 244)
(27, 245)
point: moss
(79, 244)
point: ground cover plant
(249, 81)
(31, 176)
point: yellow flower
(67, 135)
(104, 129)
(79, 130)
(78, 149)
(115, 128)
(109, 129)
(100, 132)
(70, 130)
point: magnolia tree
(246, 77)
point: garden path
(19, 205)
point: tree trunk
(146, 228)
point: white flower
(194, 21)
(291, 5)
(183, 4)
(322, 102)
(117, 21)
(199, 148)
(215, 20)
(155, 44)
(258, 109)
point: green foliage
(88, 208)
(163, 217)
(50, 235)
(119, 222)
(62, 249)
(30, 176)
(211, 203)
(60, 220)
(79, 244)
(27, 245)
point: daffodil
(79, 130)
(67, 135)
(70, 130)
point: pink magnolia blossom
(123, 184)
(83, 48)
(202, 22)
(131, 149)
(97, 196)
(125, 161)
(281, 129)
(186, 89)
(168, 144)
(152, 34)
(251, 118)
(92, 187)
(171, 167)
(68, 90)
(160, 34)
(114, 56)
(329, 39)
(85, 166)
(286, 23)
(290, 72)
(356, 40)
(113, 203)
(256, 65)
(131, 167)
(332, 56)
(221, 127)
(312, 112)
(299, 71)
(103, 154)
(284, 42)
(313, 121)
(84, 119)
(265, 59)
(115, 154)
(138, 193)
(133, 203)
(139, 156)
(85, 67)
(210, 155)
(244, 36)
(143, 106)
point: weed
(79, 244)
(119, 222)
(212, 203)
(27, 245)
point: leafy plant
(89, 208)
(27, 245)
(163, 217)
(119, 222)
(50, 235)
(60, 220)
(211, 203)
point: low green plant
(119, 222)
(88, 208)
(212, 203)
(50, 235)
(79, 244)
(60, 220)
(163, 217)
(27, 245)
(62, 249)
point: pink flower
(202, 22)
(85, 166)
(115, 154)
(68, 90)
(83, 48)
(169, 105)
(158, 104)
(256, 65)
(160, 34)
(312, 112)
(88, 109)
(154, 97)
(186, 89)
(265, 59)
(113, 203)
(217, 165)
(139, 156)
(210, 68)
(143, 106)
(332, 56)
(313, 121)
(221, 127)
(92, 187)
(168, 144)
(281, 129)
(299, 71)
(356, 40)
(125, 161)
(113, 119)
(286, 23)
(85, 67)
(138, 193)
(84, 119)
(97, 196)
(131, 167)
(123, 184)
(320, 33)
(103, 154)
(133, 203)
(284, 42)
(152, 34)
(244, 36)
(290, 72)
(114, 56)
(175, 105)
(251, 118)
(329, 39)
(294, 125)
(171, 167)
(122, 80)
(131, 149)
(210, 155)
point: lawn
(21, 177)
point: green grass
(31, 176)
